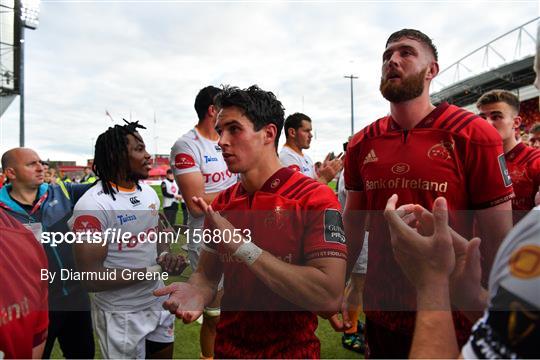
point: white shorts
(360, 266)
(122, 334)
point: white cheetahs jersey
(193, 152)
(134, 211)
(293, 160)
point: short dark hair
(169, 171)
(415, 35)
(294, 121)
(497, 95)
(204, 99)
(259, 106)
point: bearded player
(127, 318)
(420, 151)
(290, 262)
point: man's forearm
(206, 287)
(434, 334)
(354, 224)
(494, 224)
(305, 286)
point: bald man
(43, 207)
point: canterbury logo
(371, 157)
(134, 200)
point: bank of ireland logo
(442, 151)
(400, 168)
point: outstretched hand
(185, 301)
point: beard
(410, 88)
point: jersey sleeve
(324, 235)
(88, 216)
(351, 166)
(184, 159)
(488, 179)
(288, 160)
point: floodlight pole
(21, 87)
(352, 77)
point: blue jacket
(55, 210)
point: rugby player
(128, 320)
(23, 304)
(200, 170)
(297, 138)
(501, 109)
(294, 266)
(420, 151)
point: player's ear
(270, 133)
(433, 70)
(291, 133)
(517, 122)
(212, 111)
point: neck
(23, 195)
(207, 129)
(509, 144)
(291, 145)
(127, 184)
(253, 179)
(409, 113)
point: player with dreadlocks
(124, 268)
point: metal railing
(518, 42)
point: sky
(140, 58)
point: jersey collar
(426, 122)
(123, 189)
(274, 182)
(512, 154)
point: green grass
(186, 343)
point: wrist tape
(248, 253)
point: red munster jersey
(296, 219)
(23, 303)
(451, 153)
(524, 169)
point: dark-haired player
(200, 171)
(128, 320)
(294, 266)
(501, 109)
(298, 136)
(420, 151)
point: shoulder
(375, 129)
(532, 156)
(468, 125)
(185, 141)
(309, 192)
(93, 199)
(286, 153)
